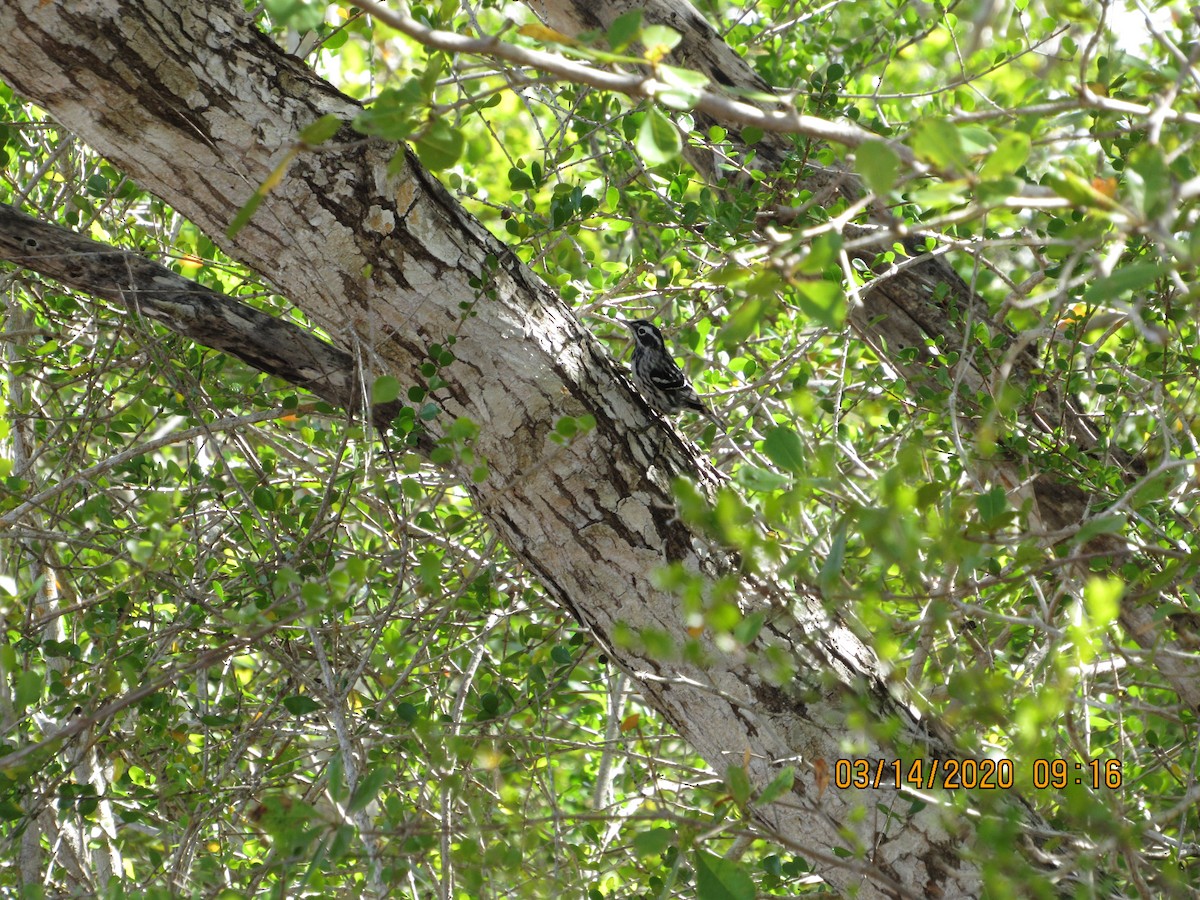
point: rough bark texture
(199, 108)
(268, 344)
(904, 318)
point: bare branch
(727, 109)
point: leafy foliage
(349, 684)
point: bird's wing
(666, 376)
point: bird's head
(645, 332)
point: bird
(658, 376)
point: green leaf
(992, 505)
(755, 478)
(831, 569)
(718, 878)
(975, 139)
(244, 214)
(519, 180)
(624, 29)
(1124, 280)
(653, 842)
(1100, 525)
(742, 323)
(994, 191)
(489, 703)
(432, 73)
(938, 142)
(1101, 602)
(561, 655)
(658, 140)
(824, 300)
(9, 811)
(1074, 187)
(1102, 599)
(659, 40)
(314, 593)
(780, 785)
(783, 447)
(440, 146)
(878, 165)
(300, 705)
(1010, 154)
(685, 87)
(385, 389)
(738, 783)
(28, 690)
(822, 253)
(748, 628)
(368, 787)
(394, 114)
(430, 569)
(298, 14)
(321, 130)
(1148, 180)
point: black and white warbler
(657, 375)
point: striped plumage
(657, 375)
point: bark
(904, 316)
(200, 108)
(270, 345)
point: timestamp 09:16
(984, 774)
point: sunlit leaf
(824, 301)
(937, 141)
(1010, 154)
(321, 130)
(440, 145)
(658, 139)
(659, 40)
(546, 35)
(385, 389)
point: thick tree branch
(268, 344)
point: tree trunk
(200, 108)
